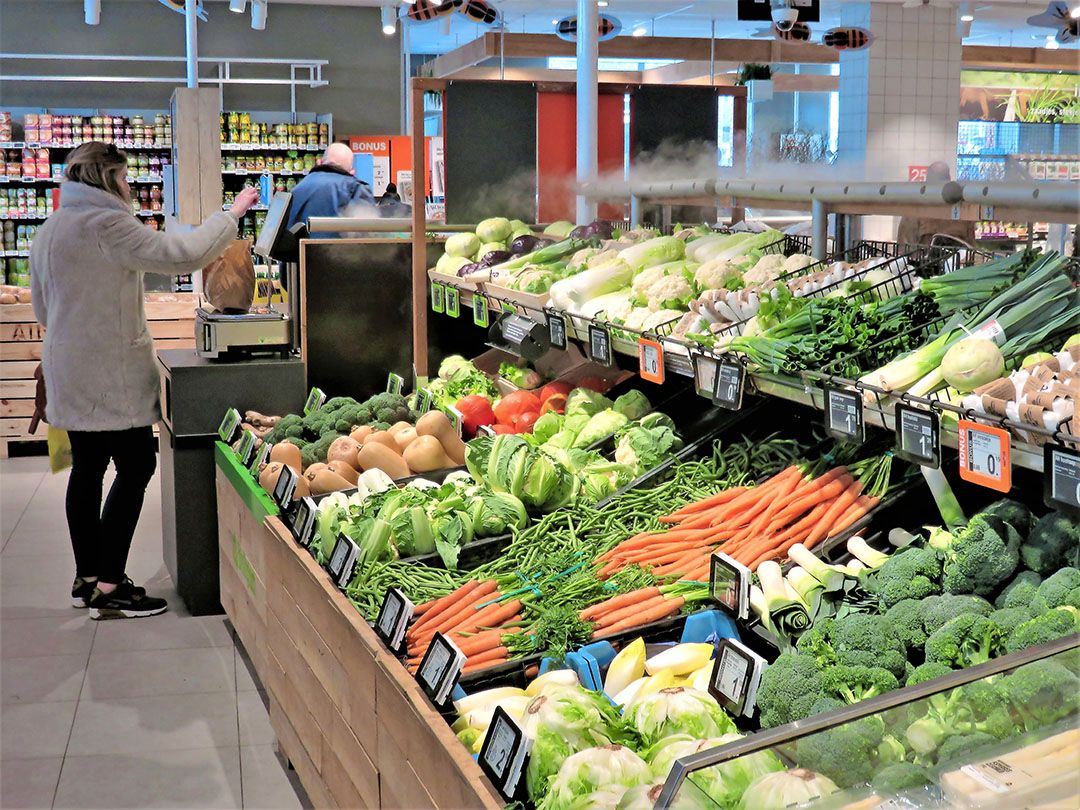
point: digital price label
(1061, 478)
(729, 584)
(229, 425)
(556, 325)
(844, 414)
(303, 521)
(504, 753)
(453, 302)
(456, 419)
(284, 488)
(735, 677)
(651, 360)
(440, 668)
(984, 455)
(485, 430)
(480, 315)
(599, 345)
(393, 618)
(246, 450)
(342, 560)
(918, 437)
(438, 297)
(730, 383)
(423, 401)
(261, 455)
(395, 383)
(704, 374)
(315, 399)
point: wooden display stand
(347, 715)
(172, 325)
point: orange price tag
(984, 455)
(651, 360)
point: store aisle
(155, 712)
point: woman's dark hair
(100, 165)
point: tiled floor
(156, 712)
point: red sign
(917, 174)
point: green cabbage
(462, 244)
(495, 229)
(633, 404)
(675, 710)
(547, 426)
(642, 448)
(599, 427)
(605, 768)
(585, 401)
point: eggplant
(527, 243)
(598, 229)
(495, 257)
(469, 269)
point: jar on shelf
(309, 162)
(155, 197)
(144, 199)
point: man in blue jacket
(328, 189)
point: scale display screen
(269, 242)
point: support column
(899, 98)
(588, 21)
(191, 38)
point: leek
(871, 558)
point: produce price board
(303, 522)
(918, 436)
(342, 560)
(599, 345)
(315, 400)
(705, 368)
(438, 298)
(246, 451)
(440, 669)
(395, 383)
(556, 325)
(229, 425)
(423, 401)
(729, 584)
(261, 455)
(735, 677)
(480, 315)
(730, 381)
(393, 618)
(284, 488)
(651, 361)
(453, 302)
(984, 455)
(1061, 479)
(844, 414)
(504, 753)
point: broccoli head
(335, 404)
(854, 683)
(900, 776)
(790, 686)
(927, 672)
(913, 573)
(906, 617)
(939, 610)
(965, 641)
(981, 706)
(979, 557)
(1013, 513)
(1020, 592)
(961, 748)
(1056, 623)
(290, 427)
(1042, 692)
(315, 452)
(863, 639)
(848, 754)
(388, 407)
(319, 423)
(1054, 542)
(815, 643)
(1008, 619)
(1058, 590)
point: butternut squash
(426, 454)
(397, 427)
(405, 437)
(377, 456)
(287, 453)
(314, 468)
(361, 433)
(384, 438)
(436, 423)
(344, 449)
(23, 296)
(345, 471)
(268, 478)
(326, 481)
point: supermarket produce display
(634, 571)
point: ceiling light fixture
(967, 18)
(1075, 13)
(389, 21)
(92, 11)
(639, 31)
(238, 6)
(601, 3)
(259, 12)
(1051, 43)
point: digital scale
(263, 331)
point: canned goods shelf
(23, 217)
(72, 144)
(256, 147)
(250, 172)
(27, 181)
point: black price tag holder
(735, 677)
(599, 345)
(303, 522)
(284, 488)
(229, 426)
(844, 414)
(395, 383)
(704, 374)
(393, 619)
(440, 669)
(246, 451)
(556, 325)
(505, 754)
(729, 584)
(261, 457)
(315, 399)
(1061, 478)
(423, 401)
(918, 435)
(730, 383)
(342, 560)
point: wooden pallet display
(171, 319)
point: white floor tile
(29, 784)
(39, 680)
(266, 782)
(254, 719)
(158, 672)
(168, 631)
(168, 723)
(24, 638)
(37, 601)
(245, 682)
(35, 729)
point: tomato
(555, 402)
(553, 388)
(501, 430)
(524, 423)
(475, 411)
(516, 404)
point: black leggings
(100, 537)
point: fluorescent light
(92, 11)
(238, 6)
(259, 11)
(1075, 13)
(967, 17)
(601, 3)
(389, 20)
(639, 31)
(1051, 43)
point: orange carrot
(494, 654)
(492, 615)
(836, 509)
(707, 503)
(452, 617)
(615, 602)
(470, 667)
(485, 640)
(616, 616)
(438, 605)
(827, 486)
(466, 596)
(652, 614)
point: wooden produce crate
(348, 717)
(171, 317)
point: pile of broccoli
(314, 433)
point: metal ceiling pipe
(674, 188)
(359, 224)
(1063, 197)
(587, 90)
(903, 193)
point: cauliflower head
(797, 261)
(713, 274)
(768, 268)
(669, 292)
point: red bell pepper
(555, 402)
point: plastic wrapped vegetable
(677, 710)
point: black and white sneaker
(125, 602)
(81, 592)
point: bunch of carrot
(475, 617)
(639, 607)
(749, 524)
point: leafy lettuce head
(677, 710)
(606, 768)
(600, 427)
(587, 402)
(633, 404)
(724, 783)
